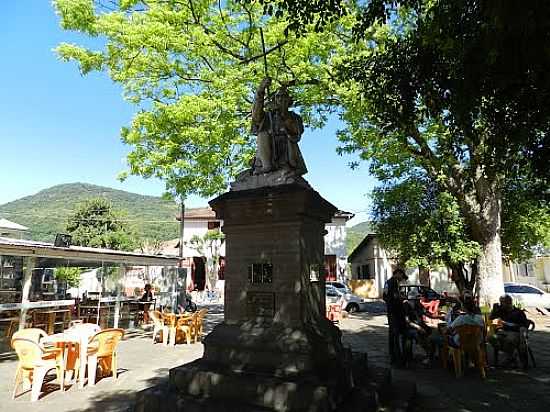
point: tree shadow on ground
(439, 390)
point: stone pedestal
(275, 349)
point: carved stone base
(201, 381)
(247, 180)
(275, 351)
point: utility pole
(182, 226)
(180, 265)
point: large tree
(423, 227)
(95, 223)
(459, 90)
(191, 67)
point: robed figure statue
(278, 132)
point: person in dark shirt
(396, 315)
(147, 298)
(416, 327)
(513, 323)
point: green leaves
(422, 224)
(71, 275)
(192, 67)
(96, 224)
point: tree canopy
(95, 223)
(192, 67)
(455, 92)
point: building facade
(371, 266)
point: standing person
(147, 298)
(396, 314)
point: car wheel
(352, 308)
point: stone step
(399, 395)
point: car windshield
(330, 291)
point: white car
(528, 295)
(350, 302)
(339, 286)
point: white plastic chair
(159, 326)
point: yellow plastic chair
(159, 326)
(102, 352)
(185, 325)
(33, 334)
(34, 364)
(198, 326)
(470, 343)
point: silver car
(528, 295)
(350, 302)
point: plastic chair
(334, 312)
(198, 325)
(524, 351)
(32, 334)
(159, 326)
(470, 344)
(34, 364)
(186, 325)
(102, 352)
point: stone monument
(275, 349)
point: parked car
(340, 286)
(528, 295)
(425, 292)
(350, 303)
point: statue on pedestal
(278, 132)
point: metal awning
(79, 255)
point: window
(213, 225)
(512, 289)
(364, 272)
(332, 293)
(330, 267)
(529, 289)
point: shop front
(47, 286)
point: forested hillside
(45, 213)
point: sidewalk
(439, 390)
(141, 365)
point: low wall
(365, 288)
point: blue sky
(59, 127)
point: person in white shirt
(470, 317)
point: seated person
(415, 327)
(512, 323)
(458, 308)
(468, 317)
(147, 298)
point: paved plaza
(438, 389)
(143, 364)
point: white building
(371, 265)
(12, 229)
(198, 221)
(335, 247)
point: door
(199, 273)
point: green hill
(45, 213)
(356, 234)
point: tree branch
(258, 56)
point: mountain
(356, 234)
(46, 212)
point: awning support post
(27, 282)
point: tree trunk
(486, 231)
(490, 284)
(424, 276)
